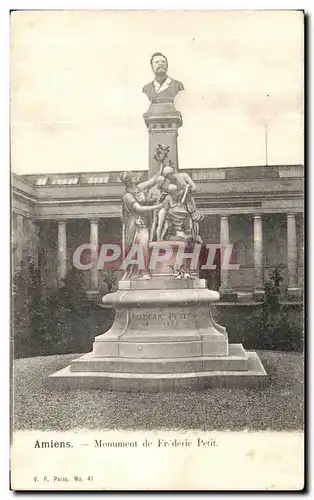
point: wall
(241, 237)
(78, 233)
(275, 239)
(25, 238)
(48, 256)
(258, 328)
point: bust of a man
(162, 88)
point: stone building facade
(259, 209)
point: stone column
(94, 242)
(167, 134)
(224, 240)
(258, 255)
(62, 251)
(162, 121)
(293, 289)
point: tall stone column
(225, 288)
(20, 224)
(62, 251)
(293, 289)
(94, 242)
(162, 128)
(18, 239)
(258, 255)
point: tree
(26, 307)
(272, 286)
(110, 278)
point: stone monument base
(158, 375)
(163, 338)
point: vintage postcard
(157, 175)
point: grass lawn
(277, 407)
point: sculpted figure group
(166, 212)
(161, 208)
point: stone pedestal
(259, 295)
(162, 323)
(181, 254)
(294, 294)
(93, 295)
(163, 338)
(162, 121)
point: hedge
(63, 321)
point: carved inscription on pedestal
(162, 319)
(145, 319)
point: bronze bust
(162, 88)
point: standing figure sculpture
(136, 221)
(162, 88)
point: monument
(164, 336)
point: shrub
(25, 307)
(256, 328)
(282, 325)
(271, 325)
(62, 322)
(272, 288)
(65, 321)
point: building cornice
(272, 193)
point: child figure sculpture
(178, 210)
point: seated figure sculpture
(178, 210)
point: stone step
(161, 297)
(88, 363)
(162, 284)
(151, 350)
(254, 377)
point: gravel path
(277, 407)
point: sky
(77, 78)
